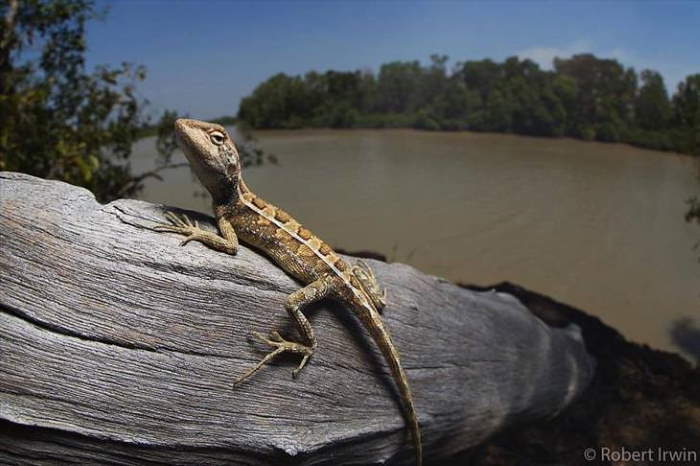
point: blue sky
(204, 56)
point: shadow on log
(117, 345)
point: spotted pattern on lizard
(241, 214)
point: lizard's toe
(281, 345)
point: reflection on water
(598, 226)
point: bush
(425, 121)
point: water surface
(598, 226)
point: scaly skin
(242, 215)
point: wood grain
(119, 346)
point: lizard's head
(212, 156)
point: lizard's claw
(181, 225)
(281, 346)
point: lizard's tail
(382, 338)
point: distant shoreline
(152, 131)
(583, 97)
(489, 133)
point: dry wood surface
(119, 346)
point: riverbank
(302, 130)
(583, 97)
(641, 400)
(649, 140)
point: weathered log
(117, 345)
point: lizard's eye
(217, 137)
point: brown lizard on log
(241, 214)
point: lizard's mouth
(180, 135)
(182, 144)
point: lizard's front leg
(295, 303)
(227, 243)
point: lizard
(241, 214)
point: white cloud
(544, 56)
(621, 55)
(673, 73)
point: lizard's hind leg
(369, 283)
(296, 301)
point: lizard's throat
(225, 189)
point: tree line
(61, 121)
(583, 97)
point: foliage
(249, 152)
(652, 106)
(686, 114)
(225, 120)
(583, 97)
(58, 121)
